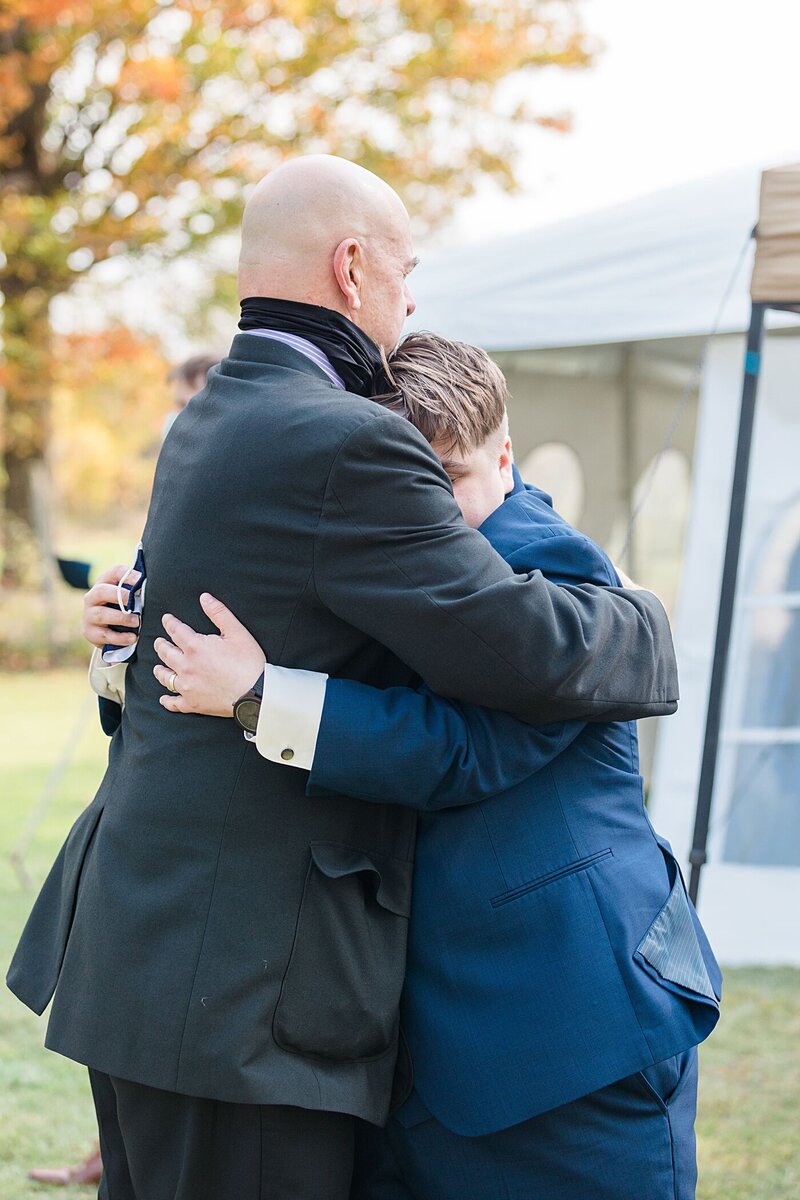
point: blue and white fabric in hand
(130, 598)
(108, 666)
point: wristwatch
(247, 708)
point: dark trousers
(161, 1146)
(633, 1140)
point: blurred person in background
(187, 378)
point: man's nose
(411, 303)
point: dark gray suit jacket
(207, 928)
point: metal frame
(752, 368)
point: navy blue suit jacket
(553, 948)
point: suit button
(287, 755)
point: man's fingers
(101, 610)
(182, 635)
(99, 614)
(222, 617)
(100, 636)
(163, 675)
(114, 574)
(174, 701)
(174, 704)
(101, 593)
(171, 657)
(97, 620)
(100, 626)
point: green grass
(45, 1109)
(750, 1068)
(749, 1115)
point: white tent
(599, 323)
(652, 268)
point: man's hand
(97, 617)
(211, 670)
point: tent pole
(752, 367)
(626, 379)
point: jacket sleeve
(411, 747)
(394, 557)
(401, 746)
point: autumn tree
(110, 397)
(132, 124)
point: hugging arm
(393, 558)
(401, 746)
(412, 747)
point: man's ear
(506, 464)
(348, 270)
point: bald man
(226, 953)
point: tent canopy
(655, 267)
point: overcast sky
(684, 89)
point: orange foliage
(109, 400)
(121, 120)
(154, 79)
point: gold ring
(171, 683)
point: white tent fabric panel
(750, 888)
(655, 271)
(656, 267)
(680, 742)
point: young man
(558, 980)
(189, 966)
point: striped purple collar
(306, 347)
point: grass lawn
(750, 1069)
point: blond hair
(452, 392)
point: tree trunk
(26, 342)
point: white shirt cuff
(107, 679)
(291, 712)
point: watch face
(247, 714)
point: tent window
(556, 468)
(763, 819)
(660, 500)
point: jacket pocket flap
(671, 947)
(390, 877)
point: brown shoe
(89, 1171)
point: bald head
(322, 230)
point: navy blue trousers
(633, 1140)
